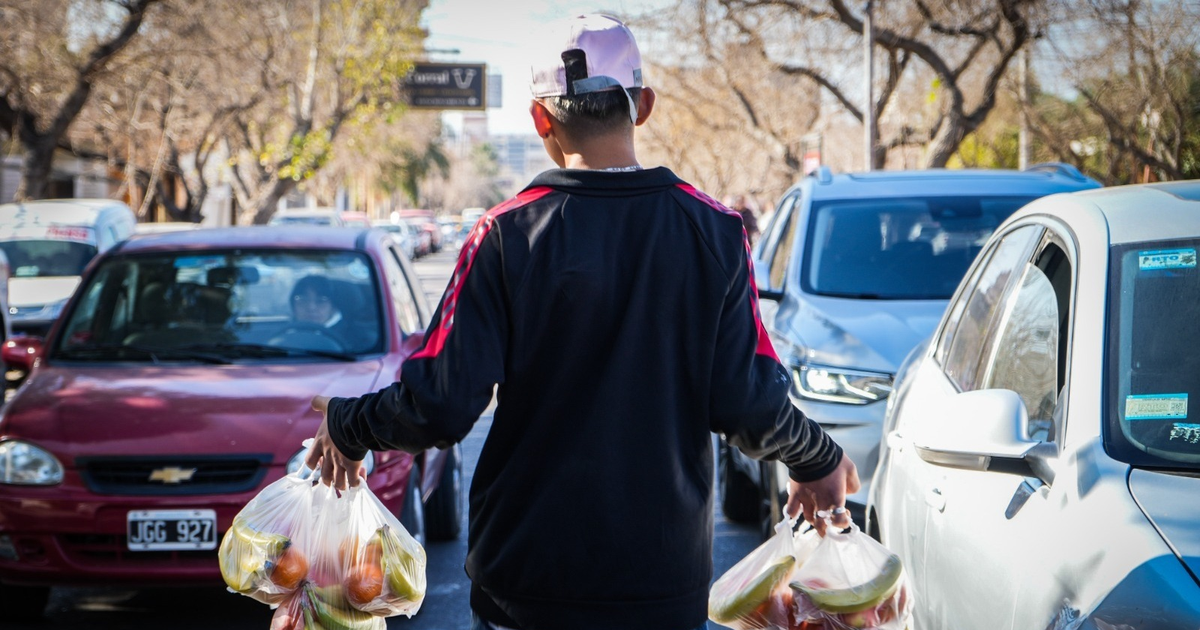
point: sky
(502, 35)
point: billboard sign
(447, 86)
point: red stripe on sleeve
(764, 346)
(435, 339)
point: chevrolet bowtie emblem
(172, 474)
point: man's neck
(604, 152)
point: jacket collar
(607, 183)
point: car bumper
(70, 536)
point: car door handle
(895, 441)
(935, 500)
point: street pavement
(446, 603)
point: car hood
(1169, 501)
(169, 410)
(38, 291)
(865, 334)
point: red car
(176, 386)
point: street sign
(447, 86)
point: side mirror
(979, 430)
(21, 352)
(762, 279)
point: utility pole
(869, 104)
(1023, 97)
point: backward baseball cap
(585, 54)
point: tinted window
(898, 249)
(1153, 367)
(983, 303)
(45, 259)
(224, 303)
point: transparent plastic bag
(754, 594)
(340, 558)
(852, 582)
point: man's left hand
(337, 470)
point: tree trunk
(946, 141)
(39, 160)
(266, 202)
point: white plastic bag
(326, 558)
(852, 582)
(754, 594)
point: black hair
(317, 284)
(595, 113)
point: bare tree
(322, 63)
(52, 55)
(965, 45)
(1136, 67)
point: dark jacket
(617, 313)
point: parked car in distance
(426, 221)
(403, 233)
(165, 226)
(854, 271)
(1041, 462)
(328, 217)
(356, 219)
(48, 244)
(177, 385)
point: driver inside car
(313, 303)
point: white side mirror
(974, 429)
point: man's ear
(645, 105)
(542, 119)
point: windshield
(229, 305)
(1153, 367)
(311, 219)
(898, 249)
(47, 259)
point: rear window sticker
(1156, 407)
(1189, 433)
(1167, 259)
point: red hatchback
(176, 385)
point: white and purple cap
(589, 53)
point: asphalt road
(445, 606)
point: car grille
(101, 549)
(173, 476)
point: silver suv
(854, 271)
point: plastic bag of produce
(339, 558)
(754, 593)
(852, 581)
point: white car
(48, 243)
(1041, 466)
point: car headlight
(23, 464)
(851, 387)
(297, 461)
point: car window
(408, 316)
(770, 236)
(783, 249)
(955, 310)
(1023, 356)
(905, 248)
(244, 304)
(1153, 368)
(983, 305)
(47, 258)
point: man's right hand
(827, 493)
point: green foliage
(999, 149)
(410, 167)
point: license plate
(159, 530)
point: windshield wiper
(116, 352)
(264, 351)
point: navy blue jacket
(617, 313)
